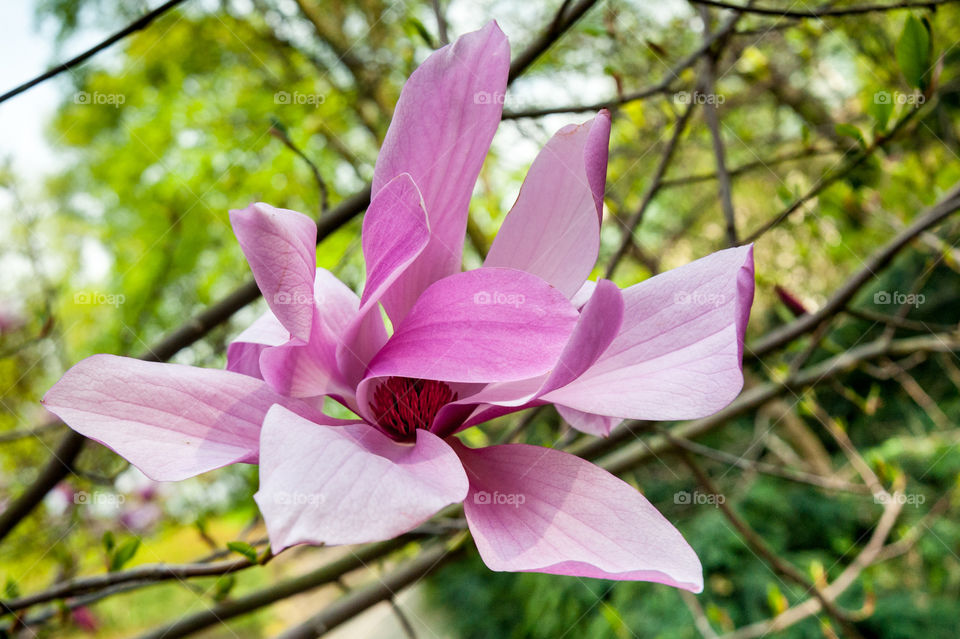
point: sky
(26, 52)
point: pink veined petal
(349, 484)
(310, 369)
(553, 229)
(598, 425)
(168, 420)
(534, 509)
(679, 352)
(486, 325)
(280, 246)
(243, 353)
(395, 232)
(444, 122)
(598, 324)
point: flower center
(402, 405)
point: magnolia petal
(168, 420)
(310, 369)
(395, 232)
(679, 352)
(243, 353)
(445, 119)
(485, 325)
(553, 229)
(598, 425)
(280, 246)
(349, 484)
(535, 509)
(598, 324)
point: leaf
(11, 590)
(851, 131)
(244, 549)
(223, 586)
(109, 541)
(913, 52)
(124, 553)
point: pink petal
(553, 229)
(243, 353)
(679, 352)
(395, 232)
(311, 369)
(534, 509)
(349, 484)
(597, 326)
(168, 420)
(444, 122)
(486, 325)
(599, 425)
(280, 246)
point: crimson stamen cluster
(402, 405)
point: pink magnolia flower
(525, 329)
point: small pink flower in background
(524, 330)
(11, 320)
(83, 618)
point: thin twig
(826, 11)
(133, 27)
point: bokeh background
(822, 132)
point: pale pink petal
(599, 425)
(444, 122)
(597, 326)
(553, 229)
(679, 352)
(349, 484)
(311, 369)
(534, 509)
(243, 353)
(395, 232)
(486, 325)
(280, 246)
(168, 420)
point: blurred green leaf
(124, 553)
(245, 549)
(913, 52)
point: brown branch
(635, 453)
(363, 598)
(62, 461)
(932, 216)
(663, 86)
(825, 12)
(760, 548)
(137, 25)
(655, 183)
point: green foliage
(914, 51)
